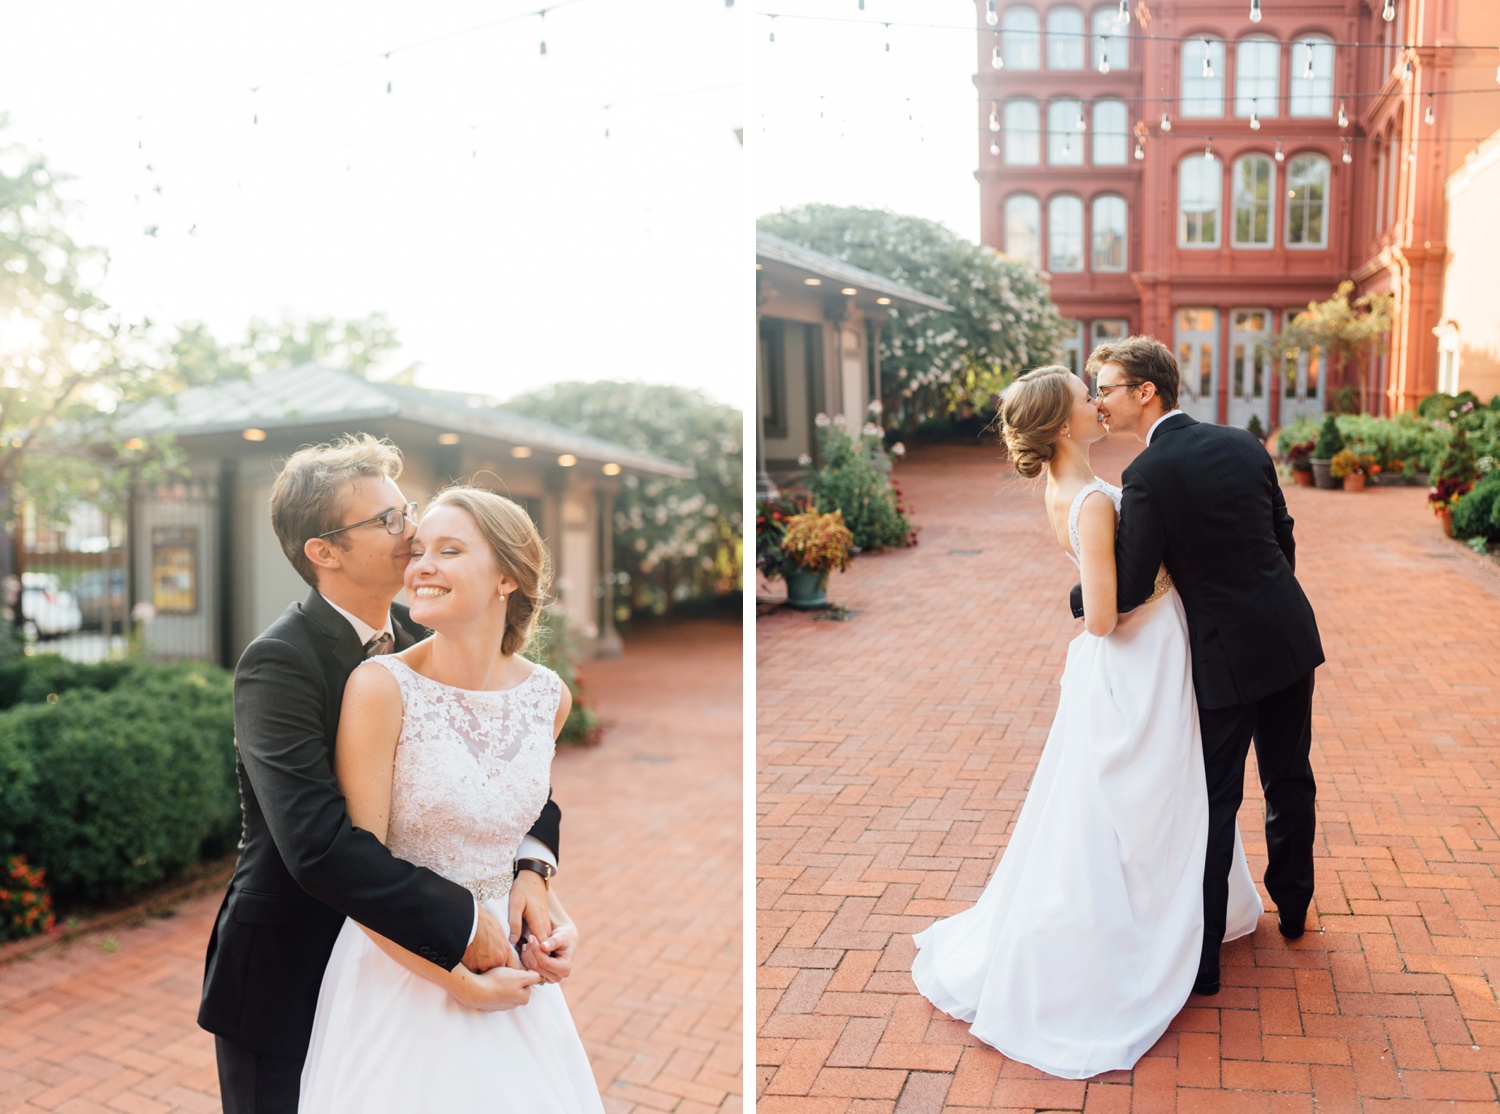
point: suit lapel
(1171, 425)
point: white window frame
(1294, 202)
(1063, 134)
(1311, 99)
(1053, 225)
(1255, 91)
(1124, 241)
(1270, 203)
(1067, 46)
(1022, 45)
(1111, 139)
(1012, 208)
(1197, 164)
(1202, 97)
(1105, 23)
(1023, 133)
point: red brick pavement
(895, 748)
(106, 1023)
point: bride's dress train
(472, 772)
(1085, 943)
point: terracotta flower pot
(1355, 481)
(1303, 479)
(1445, 518)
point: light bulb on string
(1208, 150)
(1254, 117)
(887, 38)
(1343, 116)
(543, 14)
(1124, 16)
(997, 62)
(1140, 150)
(1208, 65)
(994, 147)
(1428, 117)
(1254, 11)
(1067, 147)
(1497, 75)
(1166, 122)
(1104, 54)
(773, 28)
(994, 117)
(1411, 154)
(387, 73)
(991, 16)
(1407, 70)
(1389, 12)
(1279, 156)
(1082, 126)
(1307, 70)
(1348, 158)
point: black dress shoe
(1207, 987)
(1291, 929)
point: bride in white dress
(444, 752)
(1085, 943)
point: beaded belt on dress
(1163, 582)
(489, 888)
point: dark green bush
(1330, 440)
(112, 791)
(29, 680)
(1474, 516)
(853, 477)
(1439, 405)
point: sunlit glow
(19, 334)
(567, 460)
(521, 452)
(611, 469)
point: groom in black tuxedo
(303, 868)
(1205, 501)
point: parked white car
(46, 610)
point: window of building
(1257, 78)
(1449, 346)
(1307, 202)
(1022, 39)
(1202, 91)
(1023, 133)
(1111, 133)
(1111, 38)
(1023, 228)
(1311, 96)
(1073, 354)
(1065, 39)
(1111, 227)
(1065, 234)
(1254, 201)
(1249, 353)
(1199, 188)
(1064, 139)
(773, 401)
(1197, 356)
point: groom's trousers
(256, 1082)
(1281, 727)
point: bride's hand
(500, 988)
(528, 904)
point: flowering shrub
(25, 904)
(1476, 513)
(1445, 494)
(771, 517)
(854, 478)
(1299, 455)
(1347, 462)
(817, 542)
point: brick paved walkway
(656, 995)
(895, 749)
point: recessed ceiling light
(882, 301)
(520, 452)
(254, 435)
(567, 460)
(611, 469)
(813, 282)
(447, 438)
(848, 290)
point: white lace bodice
(472, 774)
(1098, 485)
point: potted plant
(1299, 457)
(1452, 479)
(814, 545)
(771, 517)
(1329, 442)
(1352, 468)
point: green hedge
(116, 776)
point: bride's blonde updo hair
(1037, 406)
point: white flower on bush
(1484, 464)
(804, 460)
(142, 612)
(875, 407)
(840, 421)
(871, 430)
(898, 449)
(821, 421)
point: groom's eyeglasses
(1102, 392)
(394, 521)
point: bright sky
(479, 204)
(843, 121)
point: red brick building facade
(1201, 177)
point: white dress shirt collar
(1150, 433)
(362, 630)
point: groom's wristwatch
(541, 866)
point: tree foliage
(1003, 322)
(1345, 329)
(674, 538)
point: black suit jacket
(303, 866)
(1205, 501)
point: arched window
(1023, 228)
(1257, 78)
(1202, 88)
(1065, 39)
(1307, 202)
(1022, 38)
(1311, 96)
(1065, 234)
(1064, 137)
(1023, 133)
(1199, 192)
(1110, 231)
(1111, 133)
(1254, 201)
(1110, 38)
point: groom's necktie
(382, 643)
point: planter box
(1321, 477)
